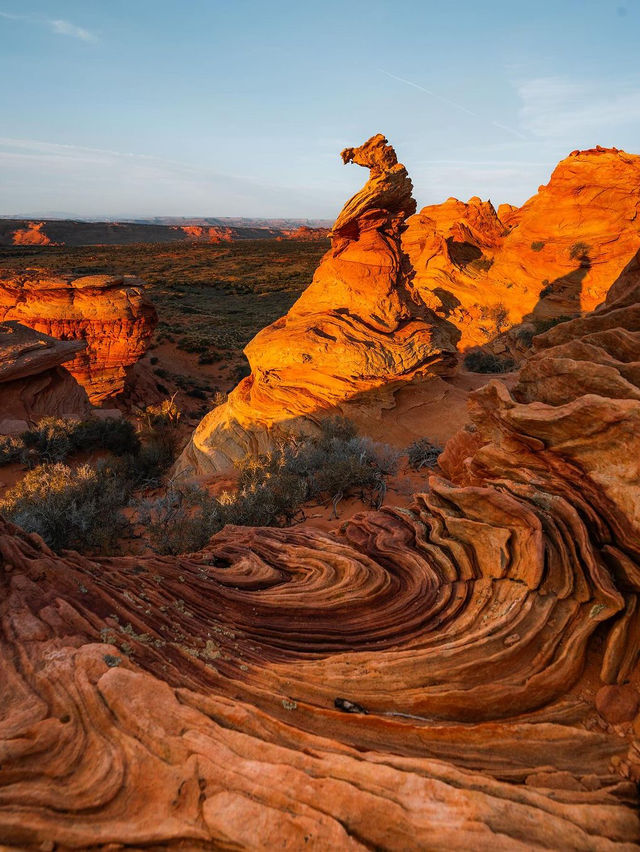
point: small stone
(617, 704)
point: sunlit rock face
(462, 674)
(31, 235)
(557, 255)
(356, 334)
(33, 380)
(110, 313)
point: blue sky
(241, 107)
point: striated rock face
(558, 255)
(110, 313)
(462, 674)
(33, 382)
(356, 335)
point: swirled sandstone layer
(110, 313)
(558, 255)
(460, 674)
(356, 335)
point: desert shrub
(54, 440)
(241, 371)
(579, 251)
(50, 441)
(273, 486)
(537, 245)
(329, 465)
(182, 520)
(422, 453)
(117, 436)
(159, 438)
(546, 324)
(525, 335)
(11, 449)
(483, 264)
(70, 508)
(478, 361)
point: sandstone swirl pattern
(357, 333)
(200, 700)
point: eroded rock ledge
(110, 313)
(33, 380)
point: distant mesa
(110, 315)
(69, 232)
(32, 235)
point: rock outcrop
(556, 256)
(460, 674)
(31, 235)
(33, 381)
(354, 337)
(110, 313)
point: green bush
(478, 361)
(70, 508)
(422, 453)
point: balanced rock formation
(33, 382)
(353, 338)
(110, 313)
(462, 674)
(556, 256)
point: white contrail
(452, 103)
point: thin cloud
(559, 108)
(454, 104)
(58, 26)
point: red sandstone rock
(111, 314)
(207, 235)
(31, 236)
(557, 255)
(617, 703)
(355, 336)
(33, 382)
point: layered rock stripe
(110, 313)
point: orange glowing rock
(355, 336)
(33, 380)
(31, 236)
(557, 255)
(110, 313)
